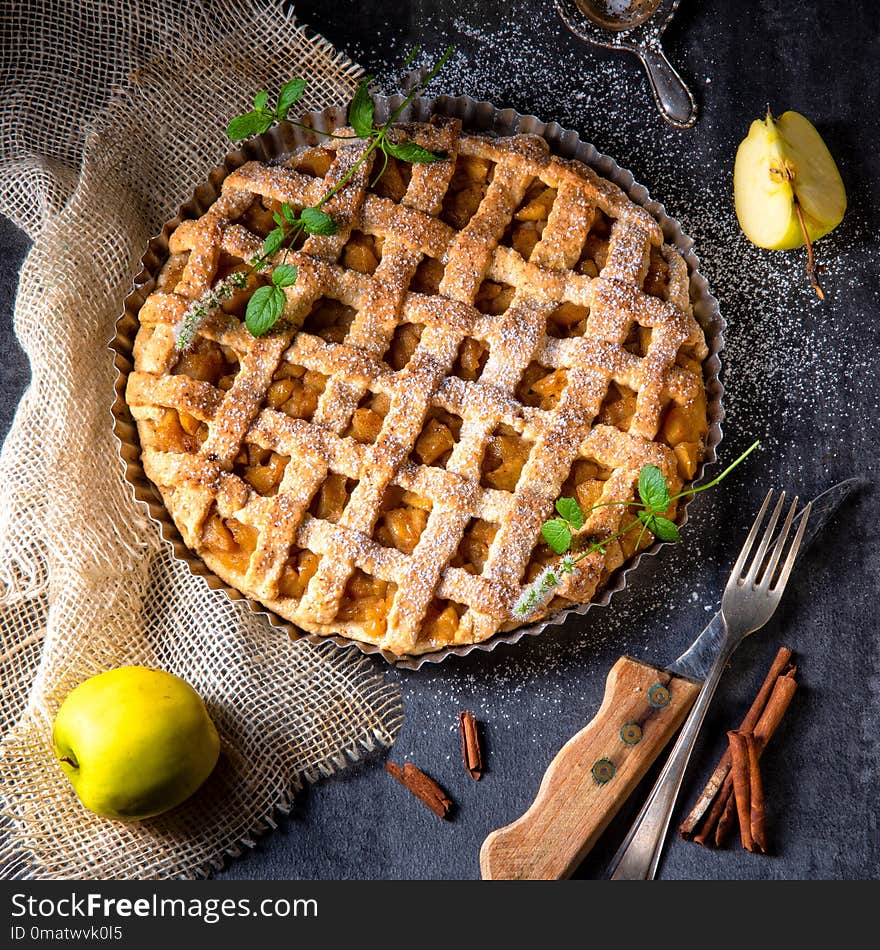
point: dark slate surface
(799, 375)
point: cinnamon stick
(707, 801)
(778, 703)
(471, 752)
(739, 772)
(757, 822)
(422, 786)
(726, 820)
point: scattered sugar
(790, 362)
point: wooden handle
(591, 776)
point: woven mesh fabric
(110, 115)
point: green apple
(135, 742)
(782, 164)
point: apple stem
(71, 762)
(812, 267)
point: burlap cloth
(110, 114)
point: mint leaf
(662, 528)
(288, 212)
(278, 219)
(290, 92)
(264, 309)
(571, 512)
(317, 222)
(362, 110)
(284, 275)
(412, 153)
(557, 534)
(653, 489)
(261, 100)
(251, 123)
(274, 240)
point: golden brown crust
(380, 464)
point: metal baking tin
(476, 117)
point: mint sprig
(284, 275)
(654, 500)
(315, 221)
(290, 93)
(362, 110)
(558, 532)
(263, 116)
(653, 489)
(265, 307)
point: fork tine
(779, 547)
(755, 567)
(750, 540)
(793, 550)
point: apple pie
(484, 334)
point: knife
(594, 773)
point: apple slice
(787, 189)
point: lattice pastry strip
(555, 327)
(372, 333)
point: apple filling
(402, 519)
(530, 219)
(366, 601)
(657, 279)
(297, 573)
(176, 430)
(366, 420)
(441, 621)
(472, 356)
(332, 497)
(684, 428)
(594, 253)
(262, 469)
(329, 319)
(260, 219)
(473, 551)
(208, 362)
(467, 188)
(618, 407)
(426, 279)
(440, 432)
(362, 252)
(504, 459)
(567, 320)
(230, 541)
(393, 181)
(314, 161)
(493, 298)
(166, 432)
(295, 390)
(541, 386)
(585, 484)
(403, 344)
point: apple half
(783, 165)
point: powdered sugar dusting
(790, 362)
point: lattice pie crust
(484, 334)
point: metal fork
(749, 601)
